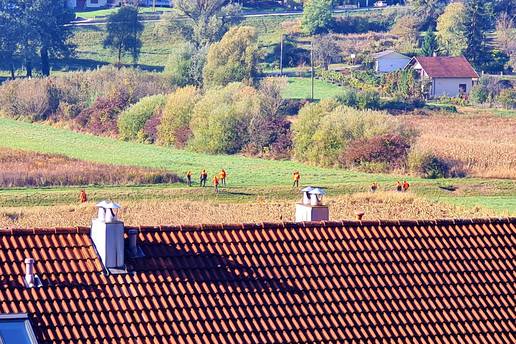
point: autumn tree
(407, 29)
(428, 10)
(505, 33)
(326, 50)
(451, 30)
(233, 59)
(317, 16)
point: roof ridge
(351, 223)
(45, 231)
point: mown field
(253, 186)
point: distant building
(389, 61)
(81, 4)
(444, 75)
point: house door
(462, 89)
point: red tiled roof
(446, 67)
(332, 282)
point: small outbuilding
(389, 61)
(444, 75)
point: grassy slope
(300, 88)
(249, 178)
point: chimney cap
(108, 205)
(317, 191)
(29, 260)
(307, 189)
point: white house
(389, 61)
(444, 75)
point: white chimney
(107, 233)
(31, 279)
(312, 207)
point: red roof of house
(446, 66)
(342, 282)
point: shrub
(132, 121)
(101, 118)
(507, 98)
(177, 113)
(428, 165)
(388, 150)
(368, 100)
(348, 97)
(220, 119)
(33, 99)
(479, 94)
(180, 65)
(322, 131)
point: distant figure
(189, 178)
(406, 185)
(216, 184)
(296, 176)
(83, 197)
(374, 187)
(203, 178)
(222, 177)
(399, 187)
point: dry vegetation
(22, 168)
(388, 205)
(483, 144)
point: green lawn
(300, 88)
(107, 11)
(249, 177)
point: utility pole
(153, 5)
(281, 55)
(312, 67)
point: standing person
(399, 188)
(216, 183)
(189, 178)
(203, 178)
(83, 197)
(406, 185)
(296, 176)
(223, 176)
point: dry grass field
(483, 143)
(383, 205)
(22, 168)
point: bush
(322, 131)
(220, 119)
(479, 94)
(33, 99)
(507, 98)
(180, 65)
(428, 165)
(402, 104)
(101, 118)
(348, 97)
(368, 100)
(388, 150)
(174, 128)
(132, 121)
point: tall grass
(20, 169)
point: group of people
(400, 187)
(218, 179)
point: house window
(16, 329)
(462, 88)
(94, 1)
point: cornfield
(382, 205)
(482, 145)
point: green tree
(451, 30)
(123, 33)
(477, 24)
(233, 59)
(428, 10)
(317, 16)
(9, 33)
(326, 50)
(202, 22)
(429, 46)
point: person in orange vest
(189, 178)
(374, 187)
(222, 177)
(399, 187)
(216, 184)
(296, 176)
(83, 197)
(203, 178)
(406, 185)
